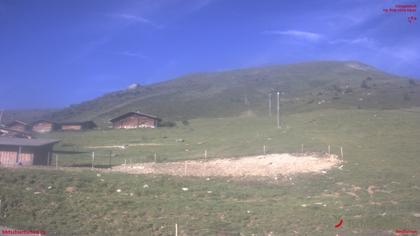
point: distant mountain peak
(304, 86)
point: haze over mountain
(303, 86)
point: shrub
(348, 90)
(167, 124)
(365, 85)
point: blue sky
(61, 52)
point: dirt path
(125, 146)
(266, 165)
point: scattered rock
(70, 189)
(207, 178)
(184, 189)
(131, 194)
(353, 194)
(303, 205)
(371, 190)
(355, 188)
(145, 186)
(375, 203)
(209, 191)
(49, 187)
(99, 175)
(28, 189)
(416, 214)
(36, 193)
(118, 190)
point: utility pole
(1, 116)
(278, 110)
(269, 104)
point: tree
(365, 84)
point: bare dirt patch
(271, 165)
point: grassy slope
(26, 115)
(234, 92)
(381, 149)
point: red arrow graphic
(339, 223)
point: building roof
(38, 121)
(78, 123)
(134, 113)
(26, 142)
(16, 122)
(6, 130)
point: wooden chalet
(18, 125)
(6, 132)
(83, 125)
(132, 120)
(43, 126)
(25, 152)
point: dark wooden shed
(83, 125)
(25, 152)
(18, 125)
(15, 133)
(44, 126)
(132, 120)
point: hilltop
(303, 86)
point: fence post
(342, 154)
(301, 147)
(176, 229)
(205, 154)
(93, 160)
(155, 157)
(329, 149)
(56, 161)
(264, 150)
(110, 155)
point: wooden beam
(18, 154)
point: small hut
(132, 120)
(83, 125)
(18, 125)
(44, 126)
(6, 132)
(25, 152)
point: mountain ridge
(304, 86)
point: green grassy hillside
(304, 87)
(376, 192)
